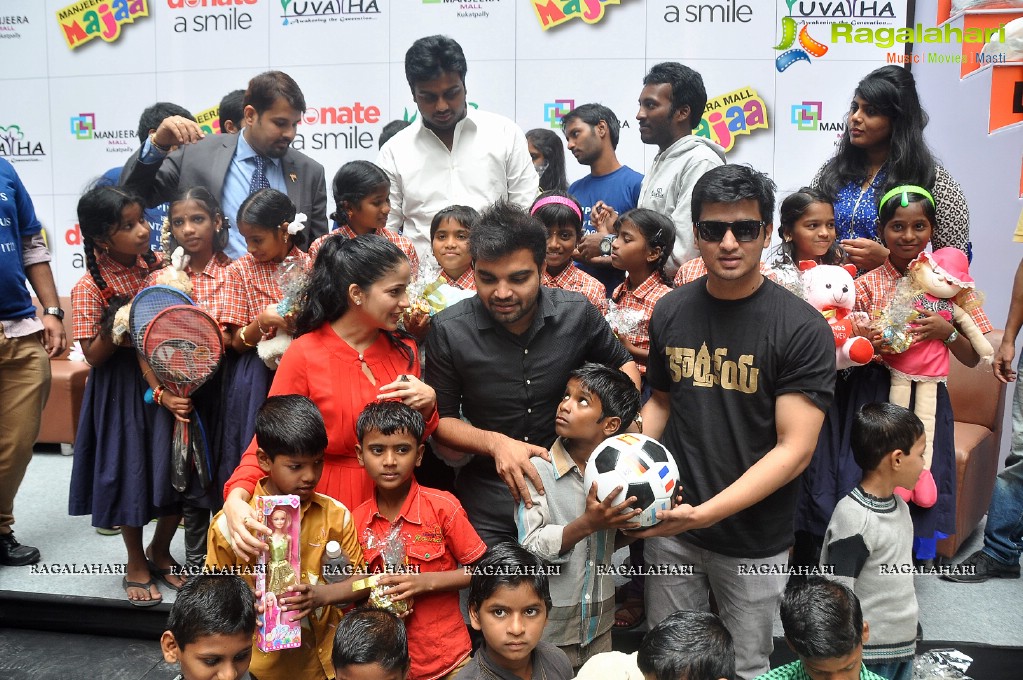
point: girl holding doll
(113, 477)
(249, 306)
(907, 216)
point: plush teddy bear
(174, 276)
(831, 291)
(938, 282)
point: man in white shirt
(451, 154)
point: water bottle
(336, 565)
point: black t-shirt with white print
(724, 363)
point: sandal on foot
(161, 574)
(630, 614)
(151, 602)
(108, 531)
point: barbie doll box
(280, 569)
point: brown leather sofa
(978, 401)
(67, 387)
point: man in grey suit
(233, 166)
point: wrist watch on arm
(54, 311)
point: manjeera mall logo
(553, 111)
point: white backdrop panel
(191, 37)
(25, 135)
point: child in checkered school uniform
(562, 216)
(643, 241)
(197, 225)
(268, 222)
(362, 196)
(112, 477)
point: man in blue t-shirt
(148, 122)
(27, 343)
(592, 134)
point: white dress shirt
(488, 160)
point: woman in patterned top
(883, 147)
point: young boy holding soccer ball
(567, 526)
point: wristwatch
(605, 244)
(55, 311)
(953, 336)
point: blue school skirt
(112, 477)
(245, 382)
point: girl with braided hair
(112, 478)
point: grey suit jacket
(206, 163)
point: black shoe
(980, 567)
(14, 554)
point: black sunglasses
(742, 230)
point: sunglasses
(742, 230)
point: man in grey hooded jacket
(670, 106)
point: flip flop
(161, 574)
(630, 614)
(152, 602)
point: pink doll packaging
(281, 567)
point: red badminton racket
(183, 346)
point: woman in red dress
(348, 352)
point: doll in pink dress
(941, 279)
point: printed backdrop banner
(79, 74)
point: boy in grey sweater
(869, 542)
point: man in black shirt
(742, 372)
(502, 360)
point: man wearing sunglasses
(746, 371)
(670, 106)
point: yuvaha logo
(551, 13)
(553, 111)
(320, 11)
(88, 19)
(807, 116)
(727, 116)
(14, 145)
(83, 126)
(807, 45)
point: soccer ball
(638, 464)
